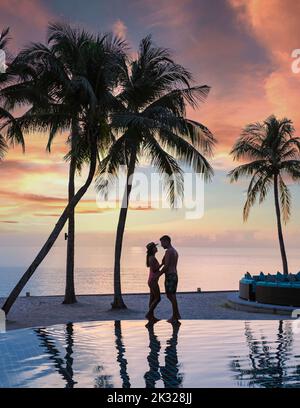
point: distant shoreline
(41, 311)
(132, 294)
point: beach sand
(40, 311)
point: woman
(153, 265)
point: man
(169, 268)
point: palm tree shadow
(105, 381)
(120, 355)
(268, 368)
(53, 354)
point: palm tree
(7, 120)
(55, 74)
(151, 122)
(94, 87)
(61, 80)
(274, 155)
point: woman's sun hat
(151, 245)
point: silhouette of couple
(168, 267)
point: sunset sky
(241, 48)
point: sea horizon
(207, 268)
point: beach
(41, 311)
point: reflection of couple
(167, 267)
(169, 372)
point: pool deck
(38, 311)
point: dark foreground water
(127, 354)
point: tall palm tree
(94, 88)
(56, 73)
(274, 156)
(62, 80)
(151, 122)
(66, 45)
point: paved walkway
(45, 311)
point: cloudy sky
(241, 48)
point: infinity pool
(199, 353)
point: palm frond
(167, 166)
(13, 130)
(3, 147)
(257, 187)
(246, 148)
(4, 39)
(108, 168)
(247, 169)
(285, 200)
(185, 152)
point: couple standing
(167, 267)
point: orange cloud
(276, 26)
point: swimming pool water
(126, 354)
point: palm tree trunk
(55, 232)
(279, 227)
(70, 296)
(118, 302)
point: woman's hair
(150, 252)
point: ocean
(206, 268)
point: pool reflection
(48, 344)
(269, 363)
(169, 373)
(121, 355)
(128, 354)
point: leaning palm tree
(151, 123)
(61, 77)
(274, 156)
(54, 71)
(95, 85)
(59, 66)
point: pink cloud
(173, 13)
(28, 20)
(119, 29)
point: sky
(240, 48)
